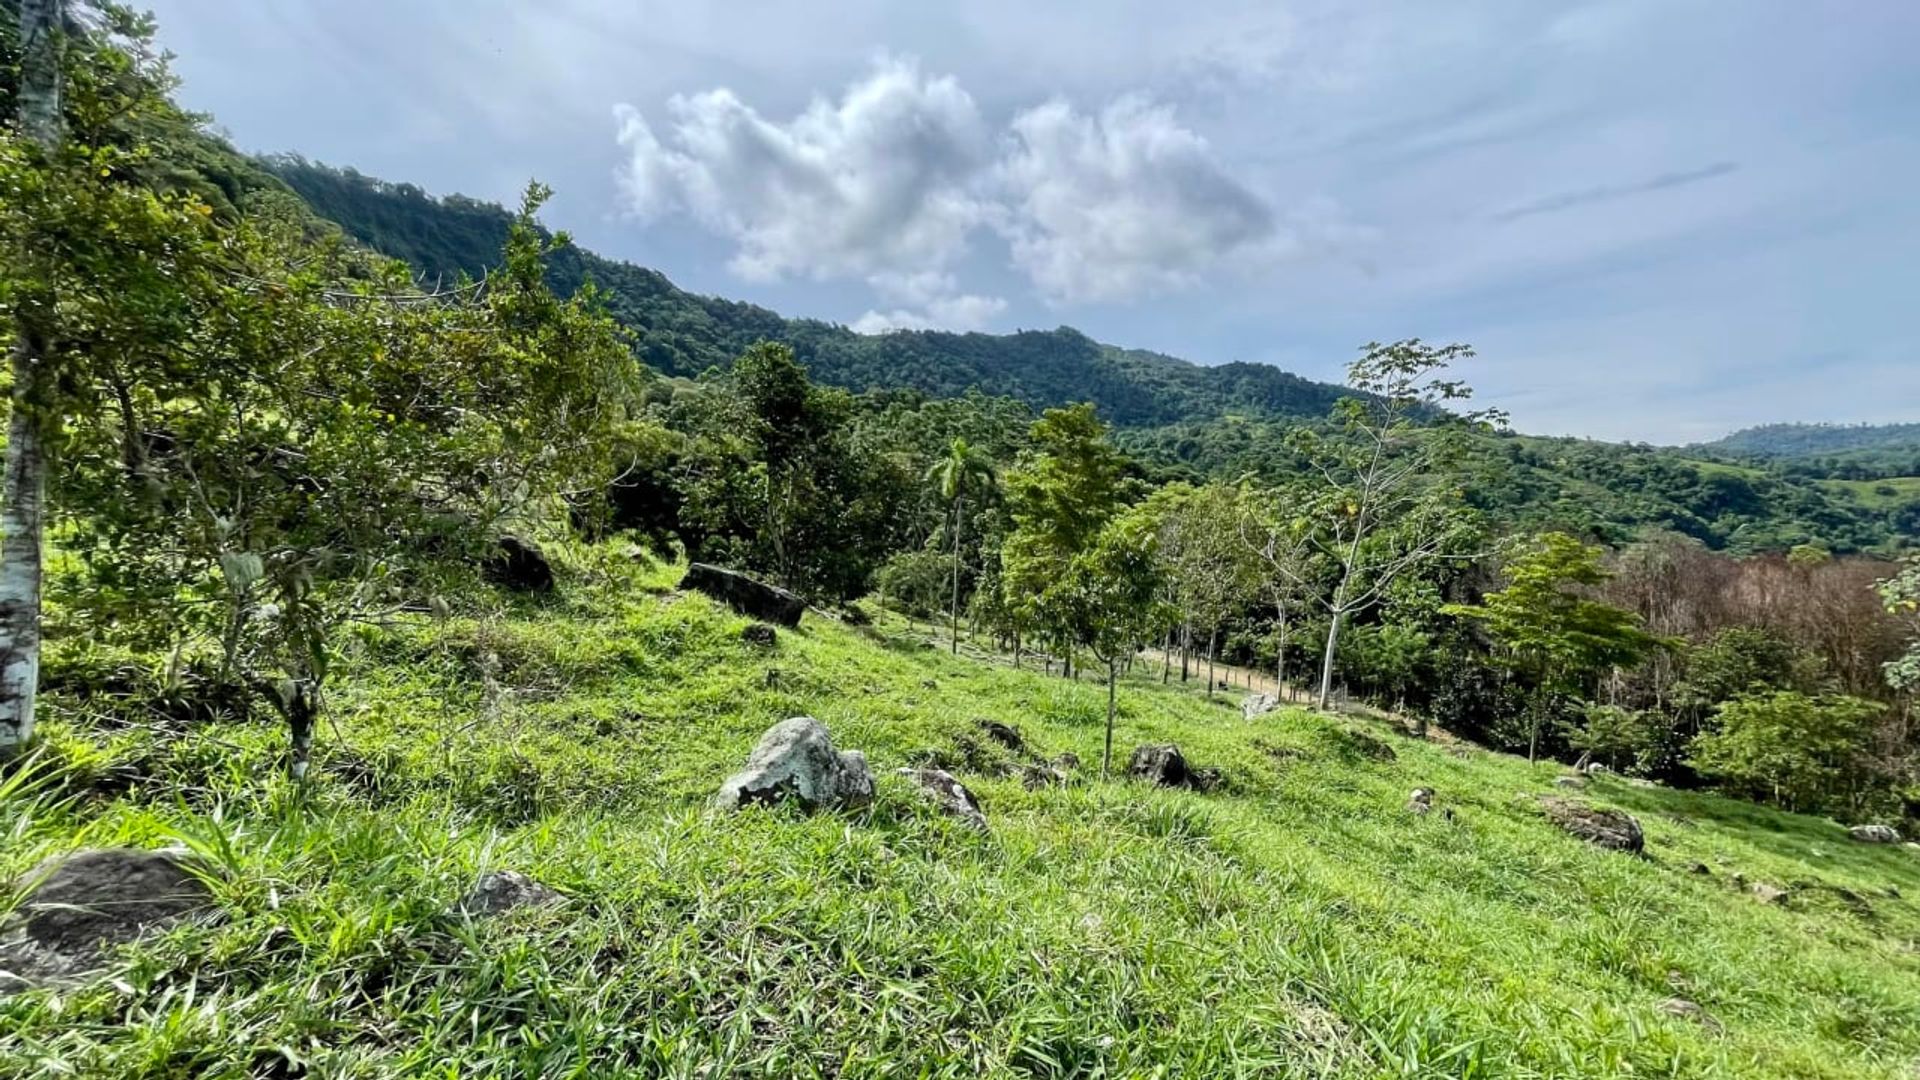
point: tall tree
(1281, 543)
(961, 471)
(1062, 494)
(34, 423)
(1386, 503)
(1110, 597)
(1556, 636)
(1902, 595)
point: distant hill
(682, 333)
(1838, 452)
(1814, 440)
(1180, 418)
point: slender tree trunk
(33, 423)
(953, 611)
(1166, 657)
(1326, 664)
(1213, 639)
(1186, 648)
(1106, 758)
(1280, 652)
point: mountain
(1182, 419)
(681, 333)
(1816, 440)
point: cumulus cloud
(891, 183)
(1123, 203)
(876, 182)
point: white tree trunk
(1326, 664)
(23, 502)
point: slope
(1300, 922)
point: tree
(34, 422)
(336, 446)
(1061, 496)
(1799, 752)
(1109, 600)
(961, 471)
(1207, 570)
(1901, 592)
(1551, 633)
(1384, 507)
(1281, 544)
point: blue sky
(1655, 220)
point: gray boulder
(1004, 734)
(745, 595)
(1874, 834)
(1421, 801)
(79, 906)
(1615, 830)
(499, 891)
(943, 790)
(1254, 705)
(795, 759)
(1768, 893)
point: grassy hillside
(1300, 922)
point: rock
(745, 595)
(1767, 894)
(1164, 765)
(796, 759)
(759, 635)
(1206, 778)
(1597, 769)
(499, 891)
(949, 794)
(1367, 745)
(1254, 705)
(1574, 783)
(1699, 868)
(1615, 830)
(1874, 834)
(1003, 734)
(1067, 762)
(520, 565)
(1688, 1010)
(1421, 801)
(78, 906)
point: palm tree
(963, 470)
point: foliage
(1556, 637)
(1796, 751)
(1902, 595)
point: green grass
(1874, 493)
(1299, 923)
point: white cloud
(890, 184)
(876, 182)
(1123, 203)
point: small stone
(1003, 734)
(1067, 762)
(1421, 801)
(1575, 783)
(946, 792)
(1768, 894)
(1256, 705)
(1688, 1010)
(1699, 868)
(499, 891)
(759, 635)
(1874, 834)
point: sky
(1655, 221)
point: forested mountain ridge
(1180, 417)
(1813, 440)
(683, 333)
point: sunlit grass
(1299, 922)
